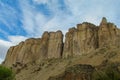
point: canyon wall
(84, 38)
(49, 46)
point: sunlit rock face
(108, 34)
(86, 37)
(55, 45)
(49, 46)
(81, 40)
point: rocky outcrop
(88, 37)
(81, 40)
(49, 46)
(108, 34)
(76, 72)
(55, 45)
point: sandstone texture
(49, 46)
(91, 67)
(108, 34)
(81, 40)
(86, 37)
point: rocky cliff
(108, 34)
(88, 37)
(89, 52)
(81, 40)
(49, 46)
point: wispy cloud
(94, 10)
(8, 16)
(65, 14)
(41, 1)
(4, 45)
(35, 22)
(36, 16)
(16, 39)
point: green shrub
(6, 74)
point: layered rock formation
(81, 40)
(49, 46)
(88, 37)
(108, 34)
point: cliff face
(108, 34)
(88, 37)
(81, 40)
(49, 46)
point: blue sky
(22, 19)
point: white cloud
(8, 16)
(33, 20)
(72, 13)
(4, 45)
(1, 60)
(93, 10)
(16, 39)
(27, 17)
(40, 21)
(3, 32)
(41, 1)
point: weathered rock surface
(60, 68)
(55, 45)
(81, 40)
(49, 46)
(108, 34)
(76, 72)
(88, 37)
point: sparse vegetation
(6, 74)
(108, 73)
